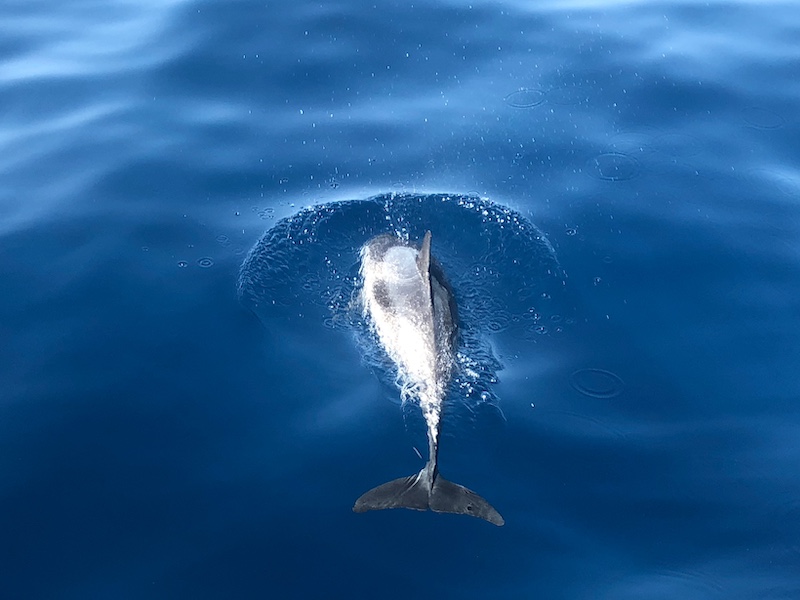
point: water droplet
(532, 315)
(597, 280)
(183, 264)
(596, 383)
(571, 231)
(205, 262)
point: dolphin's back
(411, 307)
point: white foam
(402, 330)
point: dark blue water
(161, 437)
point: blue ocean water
(161, 437)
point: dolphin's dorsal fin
(424, 268)
(424, 257)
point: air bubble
(596, 383)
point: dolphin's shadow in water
(503, 271)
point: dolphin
(410, 306)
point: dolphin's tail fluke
(449, 497)
(418, 492)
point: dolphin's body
(411, 307)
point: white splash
(404, 329)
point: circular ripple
(596, 383)
(633, 142)
(613, 166)
(205, 262)
(525, 98)
(499, 321)
(762, 118)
